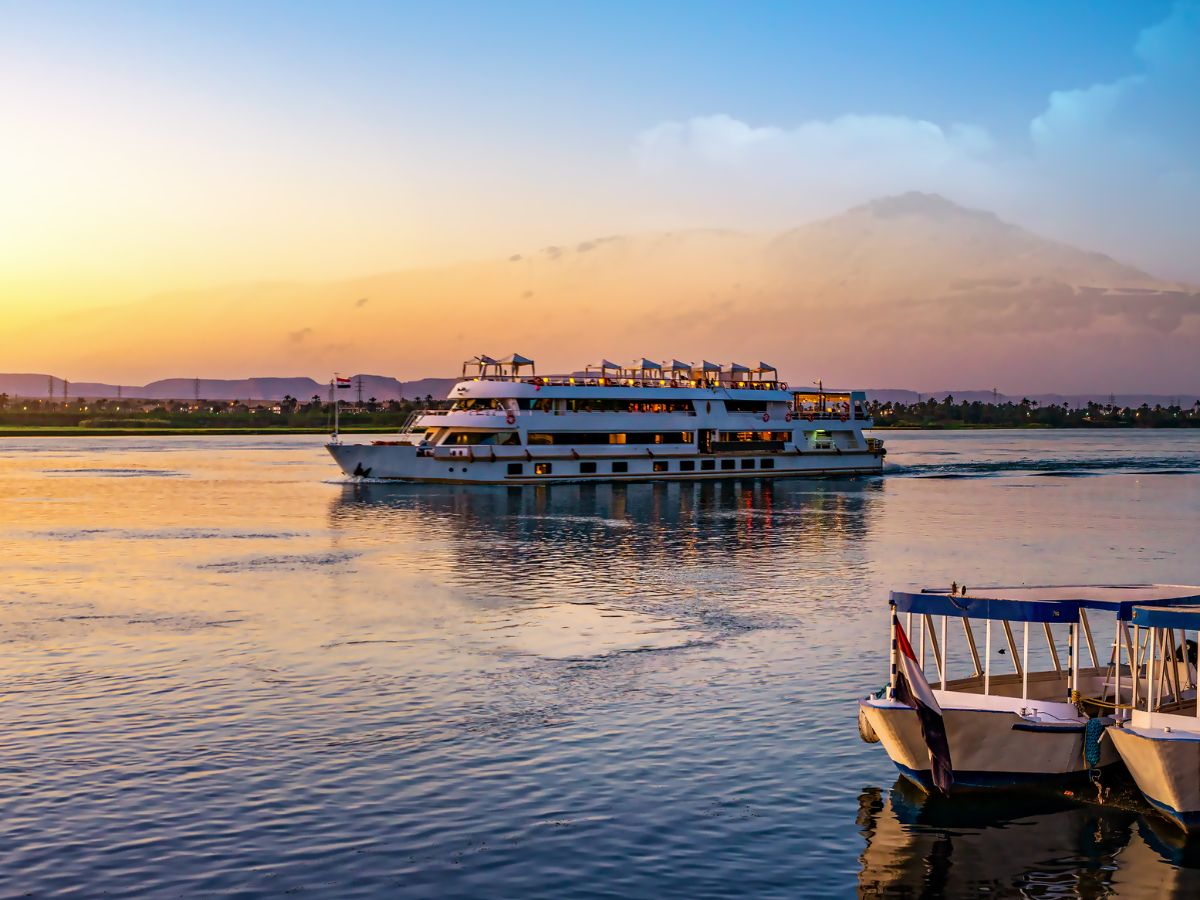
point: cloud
(298, 337)
(1113, 166)
(361, 302)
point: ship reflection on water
(1021, 843)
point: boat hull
(989, 748)
(1166, 767)
(513, 465)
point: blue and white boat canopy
(1045, 603)
(1186, 617)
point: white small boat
(1159, 738)
(1044, 719)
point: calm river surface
(224, 671)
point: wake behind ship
(651, 421)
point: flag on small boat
(341, 382)
(913, 690)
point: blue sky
(269, 132)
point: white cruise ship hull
(643, 425)
(521, 465)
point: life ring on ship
(811, 417)
(787, 417)
(783, 385)
(766, 417)
(843, 417)
(510, 419)
(674, 383)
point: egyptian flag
(913, 690)
(341, 382)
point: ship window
(750, 406)
(729, 464)
(661, 465)
(767, 464)
(516, 468)
(659, 437)
(481, 438)
(707, 465)
(687, 465)
(542, 468)
(582, 438)
(755, 436)
(620, 468)
(587, 468)
(747, 464)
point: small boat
(1042, 721)
(1159, 741)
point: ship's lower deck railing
(487, 452)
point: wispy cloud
(1098, 167)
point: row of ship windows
(483, 438)
(621, 467)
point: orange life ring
(783, 385)
(811, 417)
(674, 383)
(844, 417)
(510, 419)
(787, 417)
(766, 417)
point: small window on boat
(587, 468)
(516, 468)
(661, 465)
(620, 467)
(747, 464)
(687, 465)
(766, 464)
(542, 468)
(707, 465)
(729, 464)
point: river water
(225, 671)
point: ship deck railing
(638, 382)
(803, 415)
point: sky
(160, 146)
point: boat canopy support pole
(1012, 646)
(970, 636)
(1116, 655)
(942, 668)
(1025, 665)
(921, 622)
(1135, 656)
(891, 691)
(1150, 679)
(1053, 649)
(987, 656)
(1087, 634)
(933, 643)
(1074, 659)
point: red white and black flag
(341, 383)
(913, 690)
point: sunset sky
(156, 147)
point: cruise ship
(648, 421)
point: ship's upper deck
(516, 376)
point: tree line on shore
(290, 412)
(948, 413)
(316, 413)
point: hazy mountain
(903, 290)
(380, 387)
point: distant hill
(384, 388)
(254, 389)
(912, 289)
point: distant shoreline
(68, 431)
(76, 431)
